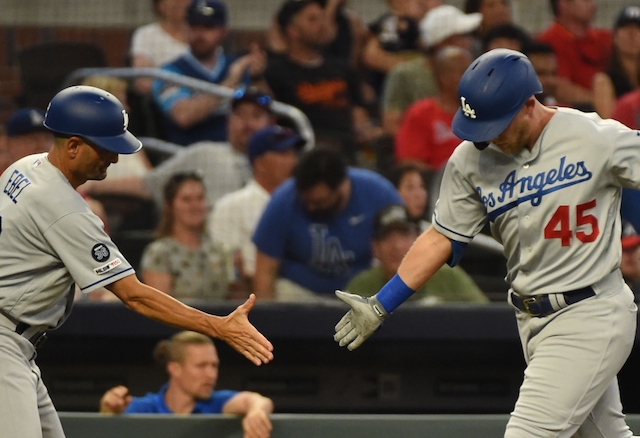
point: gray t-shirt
(49, 240)
(224, 170)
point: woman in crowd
(155, 44)
(184, 261)
(623, 74)
(409, 179)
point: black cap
(252, 95)
(628, 15)
(210, 13)
(391, 218)
(290, 9)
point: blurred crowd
(248, 204)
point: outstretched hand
(244, 337)
(364, 318)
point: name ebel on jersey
(15, 185)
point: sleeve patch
(108, 267)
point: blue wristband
(394, 293)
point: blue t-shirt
(153, 403)
(323, 256)
(167, 94)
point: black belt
(544, 305)
(36, 337)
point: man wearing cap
(224, 165)
(25, 135)
(413, 80)
(52, 242)
(273, 153)
(393, 235)
(548, 183)
(315, 232)
(191, 116)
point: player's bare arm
(235, 328)
(427, 254)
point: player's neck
(62, 165)
(542, 117)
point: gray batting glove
(364, 318)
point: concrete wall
(293, 426)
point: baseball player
(548, 181)
(49, 240)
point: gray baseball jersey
(554, 208)
(49, 240)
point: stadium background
(466, 361)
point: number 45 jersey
(555, 208)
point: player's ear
(72, 145)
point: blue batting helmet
(491, 91)
(94, 115)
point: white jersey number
(559, 226)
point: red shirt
(627, 109)
(579, 57)
(425, 134)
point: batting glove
(364, 318)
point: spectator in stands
(325, 88)
(581, 51)
(627, 109)
(190, 116)
(394, 37)
(344, 33)
(410, 181)
(393, 234)
(425, 135)
(314, 233)
(24, 135)
(159, 43)
(544, 62)
(630, 261)
(273, 153)
(192, 362)
(184, 261)
(413, 80)
(224, 165)
(623, 74)
(506, 36)
(494, 13)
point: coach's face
(197, 374)
(91, 162)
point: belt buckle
(40, 340)
(526, 302)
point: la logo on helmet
(125, 116)
(466, 108)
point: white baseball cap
(445, 21)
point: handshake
(361, 321)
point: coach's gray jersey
(49, 239)
(556, 208)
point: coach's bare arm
(235, 328)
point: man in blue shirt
(190, 116)
(315, 232)
(192, 363)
